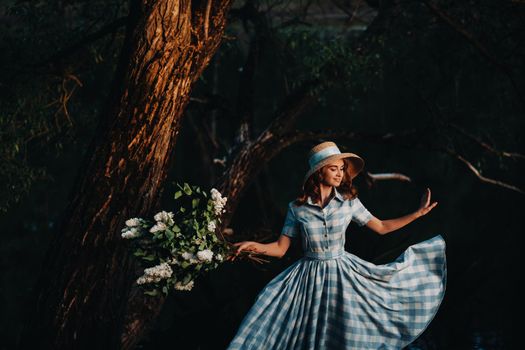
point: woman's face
(333, 173)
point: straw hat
(325, 153)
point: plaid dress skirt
(332, 300)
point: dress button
(325, 235)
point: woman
(332, 299)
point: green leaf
(187, 189)
(151, 292)
(178, 194)
(195, 202)
(170, 234)
(149, 257)
(165, 290)
(186, 279)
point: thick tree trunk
(86, 278)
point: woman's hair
(312, 186)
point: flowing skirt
(347, 302)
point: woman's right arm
(276, 249)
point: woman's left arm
(385, 226)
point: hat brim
(357, 164)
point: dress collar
(337, 195)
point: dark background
(443, 88)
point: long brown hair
(312, 186)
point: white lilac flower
(134, 222)
(165, 217)
(205, 255)
(159, 226)
(188, 256)
(218, 202)
(218, 257)
(174, 261)
(130, 233)
(155, 274)
(187, 286)
(215, 194)
(212, 226)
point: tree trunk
(86, 278)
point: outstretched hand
(425, 205)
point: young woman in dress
(332, 299)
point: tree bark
(86, 278)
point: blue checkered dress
(332, 299)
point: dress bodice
(322, 230)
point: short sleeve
(360, 214)
(291, 225)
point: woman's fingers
(429, 208)
(425, 198)
(240, 247)
(427, 202)
(243, 246)
(240, 244)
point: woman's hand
(249, 246)
(246, 245)
(425, 205)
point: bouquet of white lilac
(178, 246)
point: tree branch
(477, 172)
(434, 110)
(485, 145)
(387, 176)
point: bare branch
(478, 173)
(207, 20)
(436, 112)
(388, 176)
(486, 146)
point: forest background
(432, 90)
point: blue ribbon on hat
(322, 154)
